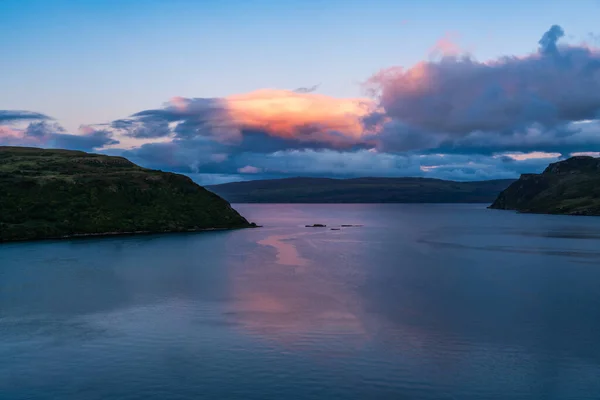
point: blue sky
(92, 61)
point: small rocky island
(568, 187)
(63, 193)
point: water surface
(420, 302)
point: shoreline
(115, 234)
(543, 212)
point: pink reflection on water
(297, 300)
(286, 251)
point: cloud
(42, 129)
(279, 114)
(458, 96)
(11, 116)
(453, 104)
(450, 117)
(52, 135)
(340, 164)
(446, 47)
(249, 169)
(549, 40)
(307, 89)
(86, 142)
(564, 139)
(586, 153)
(147, 127)
(536, 155)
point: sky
(235, 90)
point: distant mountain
(360, 190)
(567, 187)
(61, 193)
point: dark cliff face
(567, 187)
(57, 193)
(574, 165)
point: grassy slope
(54, 193)
(567, 187)
(360, 190)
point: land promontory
(62, 193)
(569, 187)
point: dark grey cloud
(148, 129)
(548, 42)
(50, 134)
(86, 142)
(42, 129)
(10, 116)
(190, 118)
(309, 89)
(565, 139)
(198, 159)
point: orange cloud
(288, 115)
(283, 113)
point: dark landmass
(360, 190)
(61, 193)
(566, 187)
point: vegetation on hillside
(57, 193)
(567, 187)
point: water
(421, 302)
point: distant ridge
(360, 190)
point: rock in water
(570, 187)
(58, 193)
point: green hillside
(57, 193)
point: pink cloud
(534, 155)
(587, 153)
(11, 136)
(447, 46)
(249, 169)
(460, 95)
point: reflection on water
(294, 298)
(421, 302)
(286, 251)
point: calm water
(421, 302)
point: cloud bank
(52, 135)
(453, 117)
(499, 105)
